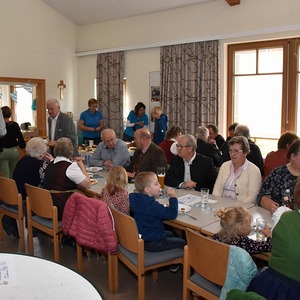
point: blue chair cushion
(152, 258)
(10, 208)
(45, 222)
(205, 284)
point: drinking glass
(204, 195)
(260, 224)
(161, 173)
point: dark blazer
(210, 150)
(65, 128)
(202, 171)
(153, 158)
(254, 156)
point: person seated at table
(91, 122)
(214, 137)
(110, 152)
(115, 192)
(278, 158)
(253, 156)
(149, 214)
(279, 180)
(160, 124)
(63, 175)
(236, 226)
(136, 119)
(238, 178)
(282, 279)
(231, 130)
(171, 137)
(205, 148)
(188, 169)
(29, 169)
(147, 156)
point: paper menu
(7, 271)
(189, 199)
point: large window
(262, 89)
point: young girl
(115, 192)
(236, 226)
(160, 126)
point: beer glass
(161, 173)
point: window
(262, 89)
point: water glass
(204, 195)
(161, 173)
(260, 225)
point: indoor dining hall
(150, 150)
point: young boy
(149, 214)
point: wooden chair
(131, 252)
(39, 202)
(208, 258)
(9, 195)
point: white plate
(94, 169)
(183, 208)
(93, 181)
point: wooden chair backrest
(126, 229)
(9, 191)
(40, 201)
(208, 257)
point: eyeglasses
(181, 146)
(234, 151)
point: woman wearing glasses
(238, 178)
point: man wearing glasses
(189, 170)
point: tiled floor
(168, 286)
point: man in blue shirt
(110, 152)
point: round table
(26, 277)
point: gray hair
(190, 140)
(64, 147)
(242, 130)
(202, 133)
(56, 102)
(36, 147)
(241, 140)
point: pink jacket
(90, 222)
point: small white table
(37, 278)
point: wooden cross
(61, 87)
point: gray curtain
(190, 84)
(110, 74)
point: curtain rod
(199, 39)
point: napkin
(278, 212)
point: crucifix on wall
(61, 87)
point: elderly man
(205, 148)
(188, 169)
(148, 156)
(255, 154)
(110, 152)
(60, 125)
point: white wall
(251, 20)
(37, 42)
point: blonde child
(149, 214)
(236, 226)
(115, 192)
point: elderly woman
(280, 180)
(238, 178)
(29, 169)
(62, 176)
(91, 122)
(283, 274)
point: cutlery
(191, 216)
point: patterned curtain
(110, 74)
(190, 84)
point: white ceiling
(83, 12)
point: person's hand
(48, 157)
(267, 231)
(130, 174)
(189, 184)
(212, 141)
(171, 192)
(267, 203)
(108, 164)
